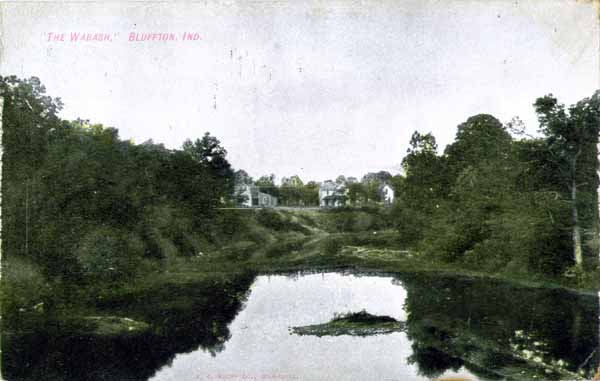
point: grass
(353, 324)
(303, 242)
(327, 247)
(107, 326)
(196, 290)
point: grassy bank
(363, 240)
(246, 243)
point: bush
(23, 287)
(229, 222)
(240, 250)
(349, 220)
(270, 219)
(341, 221)
(409, 223)
(274, 220)
(385, 240)
(109, 254)
(279, 249)
(188, 244)
(332, 246)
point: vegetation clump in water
(114, 326)
(354, 324)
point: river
(473, 329)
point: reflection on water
(474, 328)
(184, 317)
(500, 331)
(261, 344)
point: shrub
(348, 220)
(332, 246)
(23, 287)
(229, 222)
(109, 254)
(240, 250)
(342, 221)
(274, 220)
(385, 240)
(279, 249)
(270, 219)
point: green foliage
(331, 246)
(240, 251)
(267, 185)
(357, 193)
(284, 247)
(353, 323)
(492, 203)
(342, 220)
(409, 222)
(571, 138)
(229, 222)
(108, 254)
(425, 181)
(481, 138)
(24, 288)
(83, 204)
(383, 240)
(361, 219)
(293, 191)
(278, 222)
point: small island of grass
(354, 324)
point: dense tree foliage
(84, 205)
(497, 202)
(572, 138)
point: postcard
(300, 190)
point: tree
(357, 193)
(209, 152)
(310, 194)
(425, 174)
(481, 138)
(29, 116)
(242, 177)
(572, 138)
(397, 183)
(267, 185)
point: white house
(332, 195)
(386, 193)
(253, 197)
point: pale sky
(312, 88)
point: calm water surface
(473, 328)
(261, 346)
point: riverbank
(405, 262)
(189, 303)
(448, 322)
(258, 242)
(355, 239)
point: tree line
(499, 199)
(84, 205)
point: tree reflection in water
(189, 317)
(497, 330)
